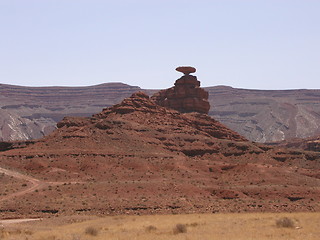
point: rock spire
(186, 95)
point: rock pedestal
(185, 96)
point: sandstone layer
(185, 96)
(259, 115)
(137, 157)
(186, 70)
(32, 112)
(308, 144)
(267, 115)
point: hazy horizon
(66, 86)
(266, 45)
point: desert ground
(237, 226)
(138, 170)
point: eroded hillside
(261, 116)
(137, 157)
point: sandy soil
(262, 226)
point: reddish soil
(137, 158)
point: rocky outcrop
(33, 112)
(137, 157)
(186, 95)
(307, 144)
(5, 146)
(186, 70)
(259, 115)
(140, 103)
(313, 145)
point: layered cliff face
(267, 116)
(15, 127)
(33, 112)
(307, 144)
(186, 95)
(259, 115)
(137, 157)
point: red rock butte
(137, 157)
(186, 95)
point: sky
(254, 44)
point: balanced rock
(186, 70)
(186, 95)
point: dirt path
(12, 221)
(36, 184)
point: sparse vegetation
(180, 228)
(151, 228)
(260, 226)
(50, 238)
(194, 224)
(1, 233)
(91, 231)
(76, 237)
(285, 222)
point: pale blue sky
(258, 44)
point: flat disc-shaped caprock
(186, 69)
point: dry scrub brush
(285, 223)
(91, 231)
(151, 229)
(180, 228)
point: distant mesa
(186, 95)
(186, 70)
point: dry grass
(180, 228)
(151, 228)
(92, 231)
(251, 226)
(285, 222)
